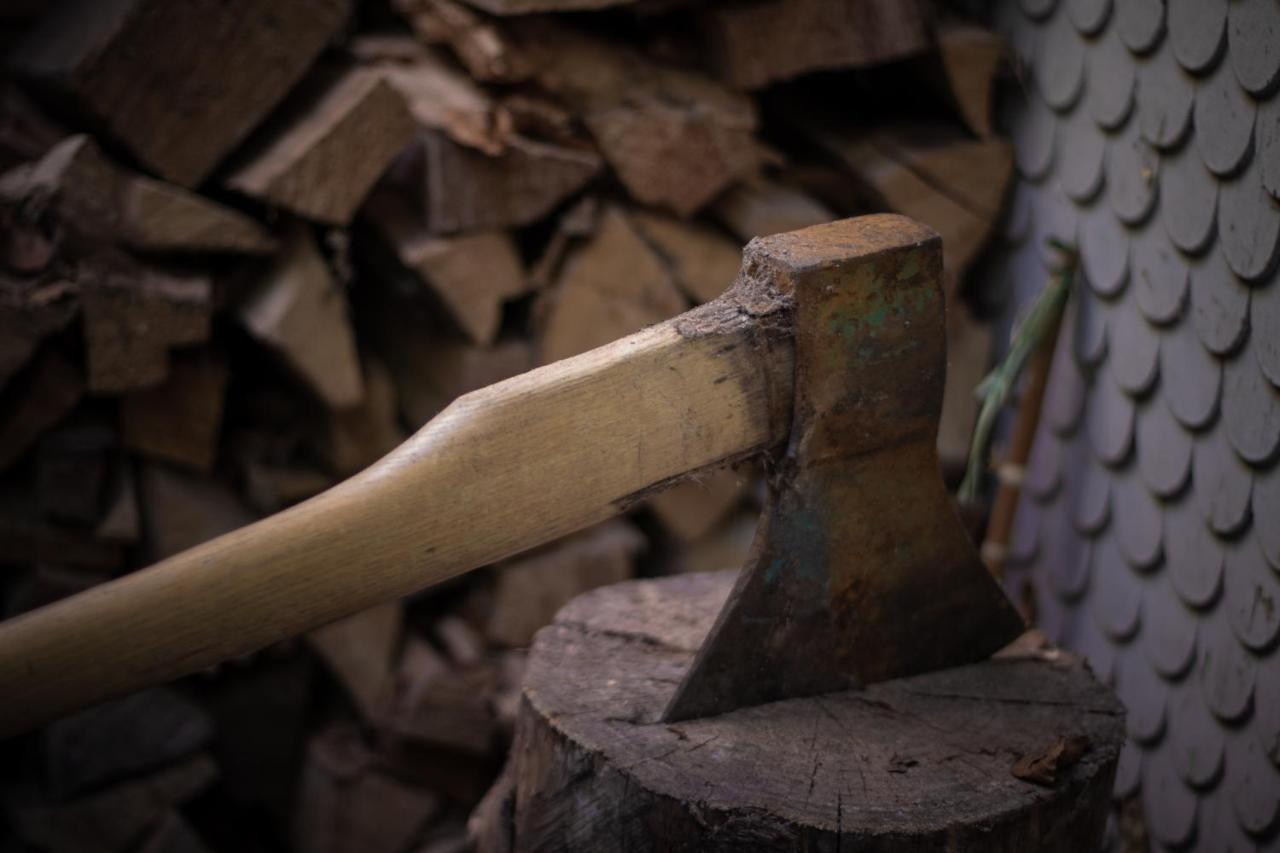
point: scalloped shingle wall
(1148, 135)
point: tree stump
(923, 763)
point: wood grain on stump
(923, 763)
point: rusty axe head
(860, 570)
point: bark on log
(924, 763)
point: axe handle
(500, 470)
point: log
(183, 510)
(467, 190)
(360, 652)
(689, 510)
(471, 275)
(438, 96)
(969, 346)
(298, 310)
(31, 309)
(347, 806)
(614, 285)
(321, 156)
(179, 85)
(759, 207)
(754, 44)
(530, 590)
(174, 835)
(73, 465)
(25, 538)
(964, 72)
(103, 202)
(359, 436)
(918, 764)
(41, 396)
(484, 49)
(113, 820)
(438, 705)
(703, 261)
(122, 738)
(675, 139)
(929, 172)
(26, 133)
(180, 419)
(132, 317)
(121, 522)
(525, 7)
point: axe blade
(861, 570)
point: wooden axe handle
(502, 469)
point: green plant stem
(995, 388)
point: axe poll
(827, 355)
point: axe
(827, 356)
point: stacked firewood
(248, 246)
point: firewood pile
(249, 246)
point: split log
(179, 85)
(113, 820)
(691, 508)
(360, 651)
(174, 835)
(472, 275)
(299, 310)
(439, 705)
(525, 7)
(183, 510)
(347, 806)
(760, 207)
(530, 589)
(969, 346)
(675, 139)
(103, 202)
(26, 133)
(180, 419)
(612, 286)
(38, 398)
(467, 190)
(703, 261)
(359, 436)
(27, 539)
(261, 709)
(483, 48)
(430, 368)
(73, 465)
(437, 95)
(121, 522)
(491, 827)
(931, 173)
(461, 642)
(133, 316)
(320, 158)
(31, 309)
(754, 44)
(930, 757)
(964, 72)
(122, 738)
(270, 488)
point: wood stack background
(248, 246)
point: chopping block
(837, 692)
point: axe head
(861, 570)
